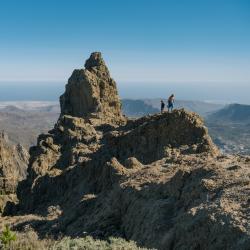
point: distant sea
(211, 92)
(31, 91)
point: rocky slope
(24, 121)
(158, 180)
(13, 166)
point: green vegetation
(7, 236)
(89, 243)
(2, 192)
(30, 241)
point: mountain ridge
(158, 180)
(233, 113)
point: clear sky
(141, 40)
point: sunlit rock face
(91, 93)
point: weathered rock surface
(13, 167)
(91, 93)
(158, 180)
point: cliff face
(158, 180)
(13, 167)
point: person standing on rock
(171, 103)
(162, 106)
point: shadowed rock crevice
(13, 168)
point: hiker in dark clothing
(162, 106)
(171, 103)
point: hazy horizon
(211, 92)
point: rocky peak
(92, 94)
(95, 60)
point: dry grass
(30, 241)
(88, 243)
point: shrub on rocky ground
(88, 243)
(30, 241)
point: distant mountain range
(136, 108)
(235, 113)
(131, 107)
(24, 121)
(230, 128)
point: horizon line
(122, 81)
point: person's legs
(170, 107)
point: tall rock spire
(91, 93)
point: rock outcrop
(158, 180)
(13, 167)
(91, 93)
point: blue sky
(141, 40)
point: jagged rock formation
(75, 143)
(158, 180)
(91, 93)
(13, 167)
